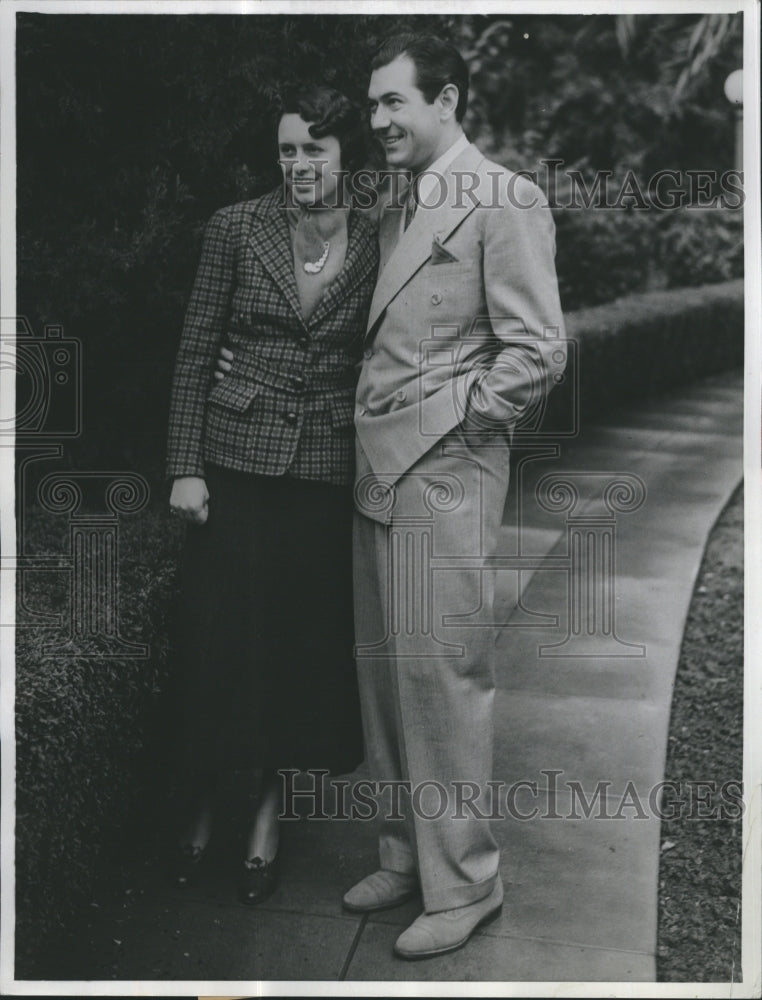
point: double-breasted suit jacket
(464, 335)
(287, 405)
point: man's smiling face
(409, 128)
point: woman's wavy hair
(331, 113)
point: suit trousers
(425, 643)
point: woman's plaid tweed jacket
(288, 403)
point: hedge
(86, 727)
(642, 345)
(86, 731)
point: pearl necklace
(316, 266)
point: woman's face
(311, 167)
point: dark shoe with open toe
(259, 880)
(184, 864)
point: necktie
(411, 203)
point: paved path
(581, 900)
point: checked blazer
(288, 403)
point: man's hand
(223, 363)
(190, 499)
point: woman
(262, 468)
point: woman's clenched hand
(189, 499)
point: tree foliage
(606, 92)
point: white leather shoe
(438, 933)
(381, 891)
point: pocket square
(440, 254)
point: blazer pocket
(233, 394)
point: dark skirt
(264, 674)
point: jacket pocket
(234, 394)
(443, 267)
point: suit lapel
(271, 242)
(413, 248)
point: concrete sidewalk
(582, 713)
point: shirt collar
(428, 183)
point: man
(463, 339)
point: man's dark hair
(331, 113)
(437, 63)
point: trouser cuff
(453, 896)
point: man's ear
(448, 100)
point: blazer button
(367, 353)
(290, 417)
(436, 298)
(401, 395)
(362, 411)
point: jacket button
(298, 382)
(362, 411)
(290, 417)
(436, 298)
(401, 395)
(367, 353)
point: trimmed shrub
(642, 345)
(85, 727)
